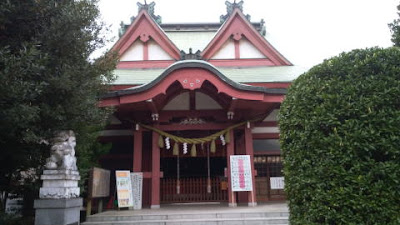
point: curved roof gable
(144, 28)
(237, 27)
(191, 74)
(194, 64)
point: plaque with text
(99, 183)
(137, 189)
(124, 188)
(241, 176)
(277, 183)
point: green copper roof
(240, 75)
(264, 74)
(194, 64)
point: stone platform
(59, 184)
(59, 202)
(196, 214)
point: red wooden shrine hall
(235, 77)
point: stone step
(196, 214)
(144, 217)
(204, 221)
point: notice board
(124, 188)
(137, 189)
(277, 183)
(241, 176)
(99, 183)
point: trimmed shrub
(340, 136)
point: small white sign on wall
(277, 183)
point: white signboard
(241, 178)
(137, 188)
(124, 188)
(277, 183)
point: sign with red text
(241, 177)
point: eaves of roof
(194, 64)
(262, 74)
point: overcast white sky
(304, 31)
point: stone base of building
(57, 211)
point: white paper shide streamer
(222, 139)
(185, 148)
(167, 143)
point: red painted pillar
(248, 139)
(155, 173)
(230, 150)
(137, 150)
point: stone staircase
(216, 216)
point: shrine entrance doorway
(194, 179)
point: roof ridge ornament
(150, 10)
(229, 10)
(190, 55)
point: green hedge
(340, 135)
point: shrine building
(188, 97)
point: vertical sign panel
(124, 188)
(137, 187)
(241, 173)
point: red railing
(193, 190)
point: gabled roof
(238, 26)
(144, 27)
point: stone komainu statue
(62, 151)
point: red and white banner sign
(241, 177)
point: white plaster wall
(156, 52)
(227, 51)
(204, 102)
(134, 52)
(248, 50)
(273, 116)
(180, 102)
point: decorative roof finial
(190, 55)
(229, 10)
(150, 9)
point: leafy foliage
(340, 135)
(395, 29)
(7, 219)
(48, 81)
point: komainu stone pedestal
(59, 202)
(59, 184)
(58, 211)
